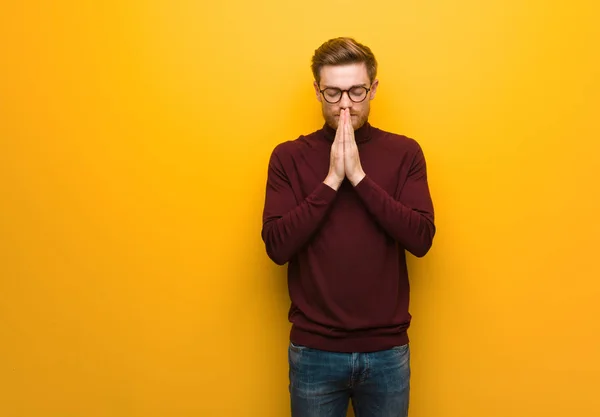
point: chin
(333, 122)
(358, 124)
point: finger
(348, 126)
(349, 121)
(347, 118)
(344, 131)
(350, 130)
(342, 126)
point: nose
(345, 101)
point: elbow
(424, 243)
(420, 251)
(276, 256)
(274, 251)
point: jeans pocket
(296, 347)
(295, 354)
(401, 348)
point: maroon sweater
(347, 275)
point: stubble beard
(332, 121)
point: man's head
(345, 77)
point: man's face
(345, 77)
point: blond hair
(342, 51)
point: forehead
(344, 76)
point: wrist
(357, 178)
(333, 182)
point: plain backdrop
(134, 141)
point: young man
(342, 206)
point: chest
(387, 167)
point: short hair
(343, 51)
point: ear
(374, 86)
(317, 92)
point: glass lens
(332, 94)
(358, 93)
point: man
(342, 206)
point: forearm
(412, 228)
(285, 234)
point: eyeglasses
(333, 95)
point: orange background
(134, 140)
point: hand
(336, 159)
(352, 166)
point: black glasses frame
(345, 91)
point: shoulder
(395, 139)
(292, 147)
(396, 143)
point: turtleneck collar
(362, 134)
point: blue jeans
(323, 383)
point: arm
(410, 219)
(287, 225)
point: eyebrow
(356, 85)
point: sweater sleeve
(287, 223)
(409, 219)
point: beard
(358, 119)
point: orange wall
(134, 140)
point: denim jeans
(323, 383)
